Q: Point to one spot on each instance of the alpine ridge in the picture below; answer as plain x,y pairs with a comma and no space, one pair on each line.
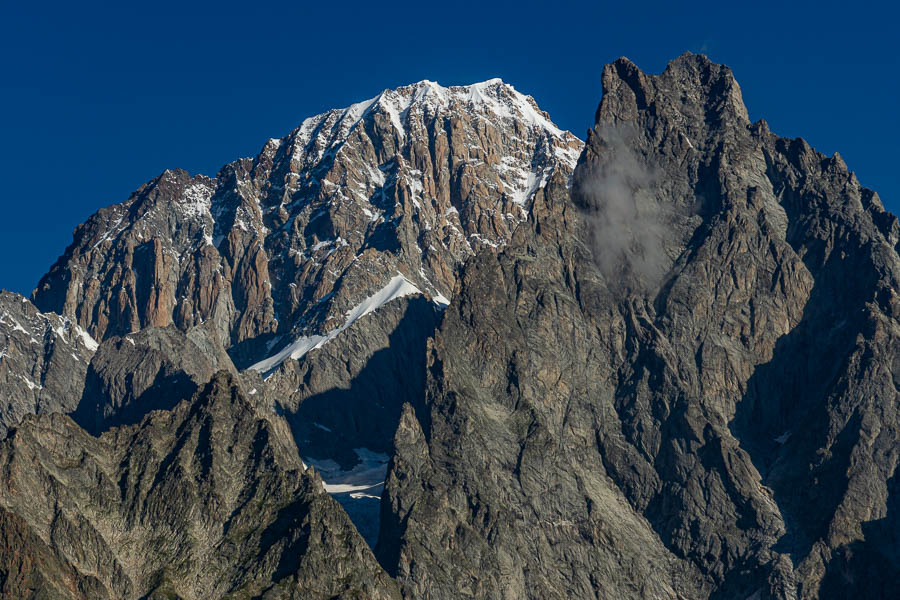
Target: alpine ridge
432,346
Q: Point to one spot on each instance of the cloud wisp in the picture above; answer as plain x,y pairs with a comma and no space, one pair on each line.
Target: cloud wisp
616,196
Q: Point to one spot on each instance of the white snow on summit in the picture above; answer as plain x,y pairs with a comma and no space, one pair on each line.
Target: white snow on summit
492,100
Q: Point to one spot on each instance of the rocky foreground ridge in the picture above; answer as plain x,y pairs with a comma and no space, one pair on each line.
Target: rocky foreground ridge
413,350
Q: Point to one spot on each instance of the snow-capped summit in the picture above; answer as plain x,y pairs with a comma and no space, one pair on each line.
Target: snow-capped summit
336,242
412,181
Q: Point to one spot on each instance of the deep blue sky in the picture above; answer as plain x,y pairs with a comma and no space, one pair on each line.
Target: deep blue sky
95,100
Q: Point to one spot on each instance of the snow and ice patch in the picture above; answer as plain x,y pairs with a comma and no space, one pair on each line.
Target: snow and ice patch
31,385
322,244
783,438
195,201
398,287
532,184
357,490
59,331
493,100
366,477
86,339
569,154
7,319
113,231
356,113
441,300
438,298
484,240
388,104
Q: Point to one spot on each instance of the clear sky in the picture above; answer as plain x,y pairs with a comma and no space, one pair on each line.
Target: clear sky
95,100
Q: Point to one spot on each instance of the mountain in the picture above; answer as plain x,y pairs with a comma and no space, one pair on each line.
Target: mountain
411,183
206,500
431,346
354,214
676,381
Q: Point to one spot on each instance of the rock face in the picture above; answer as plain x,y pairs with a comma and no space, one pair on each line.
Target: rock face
322,242
208,500
497,488
678,384
43,361
668,372
152,369
413,182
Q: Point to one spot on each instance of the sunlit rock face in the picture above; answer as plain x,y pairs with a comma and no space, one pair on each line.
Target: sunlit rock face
411,182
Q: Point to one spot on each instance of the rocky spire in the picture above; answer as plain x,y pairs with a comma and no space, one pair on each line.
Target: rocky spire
674,362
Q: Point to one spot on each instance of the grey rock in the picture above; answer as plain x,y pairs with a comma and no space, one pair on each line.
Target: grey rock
285,246
153,369
346,398
413,181
669,373
43,361
497,488
696,351
208,500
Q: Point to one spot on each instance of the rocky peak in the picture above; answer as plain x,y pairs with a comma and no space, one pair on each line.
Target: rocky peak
670,373
411,182
207,500
152,369
687,348
690,86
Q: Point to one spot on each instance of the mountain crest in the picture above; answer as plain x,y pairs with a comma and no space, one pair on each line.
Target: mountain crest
667,371
412,181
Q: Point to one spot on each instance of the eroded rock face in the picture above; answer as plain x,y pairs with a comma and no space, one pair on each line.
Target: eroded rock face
153,369
43,360
497,488
701,405
323,263
413,182
667,374
208,500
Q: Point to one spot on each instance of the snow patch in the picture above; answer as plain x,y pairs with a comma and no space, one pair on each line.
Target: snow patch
31,385
110,233
86,339
441,300
398,287
7,319
783,438
195,201
365,479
